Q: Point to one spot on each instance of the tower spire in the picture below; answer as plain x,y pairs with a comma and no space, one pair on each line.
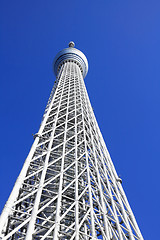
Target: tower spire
71,44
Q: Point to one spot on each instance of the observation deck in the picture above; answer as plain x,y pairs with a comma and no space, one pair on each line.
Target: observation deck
73,55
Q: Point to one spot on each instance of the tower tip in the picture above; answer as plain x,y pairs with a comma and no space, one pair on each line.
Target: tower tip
71,44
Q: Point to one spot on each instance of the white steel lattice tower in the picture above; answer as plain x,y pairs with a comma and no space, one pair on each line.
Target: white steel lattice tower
68,187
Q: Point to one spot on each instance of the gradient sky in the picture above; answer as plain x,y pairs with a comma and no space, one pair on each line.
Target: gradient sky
121,40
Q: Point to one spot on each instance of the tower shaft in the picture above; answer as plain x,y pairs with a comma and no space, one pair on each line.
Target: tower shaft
68,187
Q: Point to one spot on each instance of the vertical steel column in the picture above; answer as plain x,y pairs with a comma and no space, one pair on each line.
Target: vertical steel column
76,166
59,200
89,184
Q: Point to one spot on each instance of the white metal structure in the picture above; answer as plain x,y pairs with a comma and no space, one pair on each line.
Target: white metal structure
68,187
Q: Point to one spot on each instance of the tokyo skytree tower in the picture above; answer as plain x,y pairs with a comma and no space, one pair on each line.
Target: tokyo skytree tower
68,187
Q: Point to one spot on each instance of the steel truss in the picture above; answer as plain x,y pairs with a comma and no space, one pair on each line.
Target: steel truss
68,187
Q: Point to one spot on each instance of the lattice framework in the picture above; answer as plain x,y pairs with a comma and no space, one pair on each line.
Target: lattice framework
68,187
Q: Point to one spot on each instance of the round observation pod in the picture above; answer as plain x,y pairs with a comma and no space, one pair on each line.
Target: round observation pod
70,54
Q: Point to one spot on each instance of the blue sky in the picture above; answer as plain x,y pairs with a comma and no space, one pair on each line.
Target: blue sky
121,40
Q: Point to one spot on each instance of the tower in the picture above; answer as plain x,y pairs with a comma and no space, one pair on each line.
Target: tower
68,187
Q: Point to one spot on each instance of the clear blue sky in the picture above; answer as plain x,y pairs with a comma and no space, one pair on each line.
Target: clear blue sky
121,40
